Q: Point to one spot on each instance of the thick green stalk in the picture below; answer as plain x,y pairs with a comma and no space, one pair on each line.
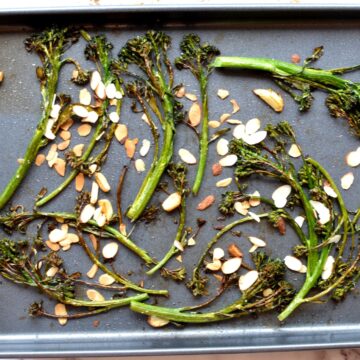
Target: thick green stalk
204,136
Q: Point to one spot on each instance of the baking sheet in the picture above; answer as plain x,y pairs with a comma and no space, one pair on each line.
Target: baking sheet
121,332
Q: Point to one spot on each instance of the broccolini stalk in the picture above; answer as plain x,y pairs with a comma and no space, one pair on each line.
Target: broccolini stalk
252,300
97,50
50,45
196,57
149,54
343,98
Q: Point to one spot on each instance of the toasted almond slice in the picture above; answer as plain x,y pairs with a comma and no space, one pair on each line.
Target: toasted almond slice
252,126
172,202
100,91
102,182
110,91
191,97
99,217
224,182
216,169
52,152
110,250
235,251
178,245
65,134
40,158
118,95
145,147
48,131
224,117
206,202
253,249
106,208
353,158
256,241
64,145
248,280
347,180
256,138
232,265
294,151
52,162
52,271
254,216
228,160
195,114
179,258
145,119
57,235
323,213
235,105
52,246
84,129
234,121
329,190
73,238
87,213
79,182
80,111
334,239
328,268
94,193
60,310
84,97
180,92
92,117
92,272
122,229
214,124
280,195
191,242
114,117
214,266
299,220
139,165
78,149
293,263
223,94
106,279
55,110
241,207
67,124
187,157
66,247
60,166
94,295
239,131
267,292
64,227
157,322
130,147
95,80
255,199
94,241
92,168
273,99
218,253
121,133
222,147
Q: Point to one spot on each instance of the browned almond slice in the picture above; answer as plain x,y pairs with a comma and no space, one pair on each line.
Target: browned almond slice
60,166
191,97
223,94
214,124
94,241
84,129
121,133
79,182
216,169
92,272
40,158
110,250
60,310
106,208
65,135
255,199
52,271
224,182
102,182
73,238
84,97
224,117
195,114
180,92
52,246
106,279
235,251
206,202
273,99
156,321
130,147
235,106
230,266
214,266
64,145
172,202
78,149
67,124
94,295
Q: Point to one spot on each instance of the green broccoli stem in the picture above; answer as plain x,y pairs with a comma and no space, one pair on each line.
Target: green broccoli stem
204,136
153,177
36,142
179,236
282,69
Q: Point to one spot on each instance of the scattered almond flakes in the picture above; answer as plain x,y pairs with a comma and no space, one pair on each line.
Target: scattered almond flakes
130,147
216,169
223,94
235,251
102,182
60,309
235,105
94,241
179,258
52,246
64,145
272,98
347,180
206,202
224,182
180,92
67,124
94,295
40,158
191,97
294,151
224,117
92,272
79,182
121,133
60,166
195,114
84,129
65,135
214,124
78,149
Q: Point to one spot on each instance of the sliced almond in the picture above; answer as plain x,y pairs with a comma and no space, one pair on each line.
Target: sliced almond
94,193
100,91
65,134
293,263
80,111
110,250
99,217
239,131
228,160
191,97
322,212
84,130
110,91
172,202
353,158
334,239
195,114
145,147
95,80
234,121
57,235
252,126
347,180
256,138
130,147
255,199
248,280
94,295
294,151
64,145
180,92
273,99
73,238
102,182
235,251
52,246
224,182
92,272
222,147
280,195
329,190
106,208
214,266
218,253
40,158
223,94
92,168
214,124
187,157
267,292
52,271
48,130
191,242
84,97
60,310
55,110
299,220
67,124
253,249
52,152
92,117
254,216
235,105
224,117
241,207
256,241
87,213
216,169
79,182
178,245
60,166
145,118
118,95
157,322
121,133
94,241
179,258
106,279
328,268
139,165
206,202
78,149
232,265
114,117
122,228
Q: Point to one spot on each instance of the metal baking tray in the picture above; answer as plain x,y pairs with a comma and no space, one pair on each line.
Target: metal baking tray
270,31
